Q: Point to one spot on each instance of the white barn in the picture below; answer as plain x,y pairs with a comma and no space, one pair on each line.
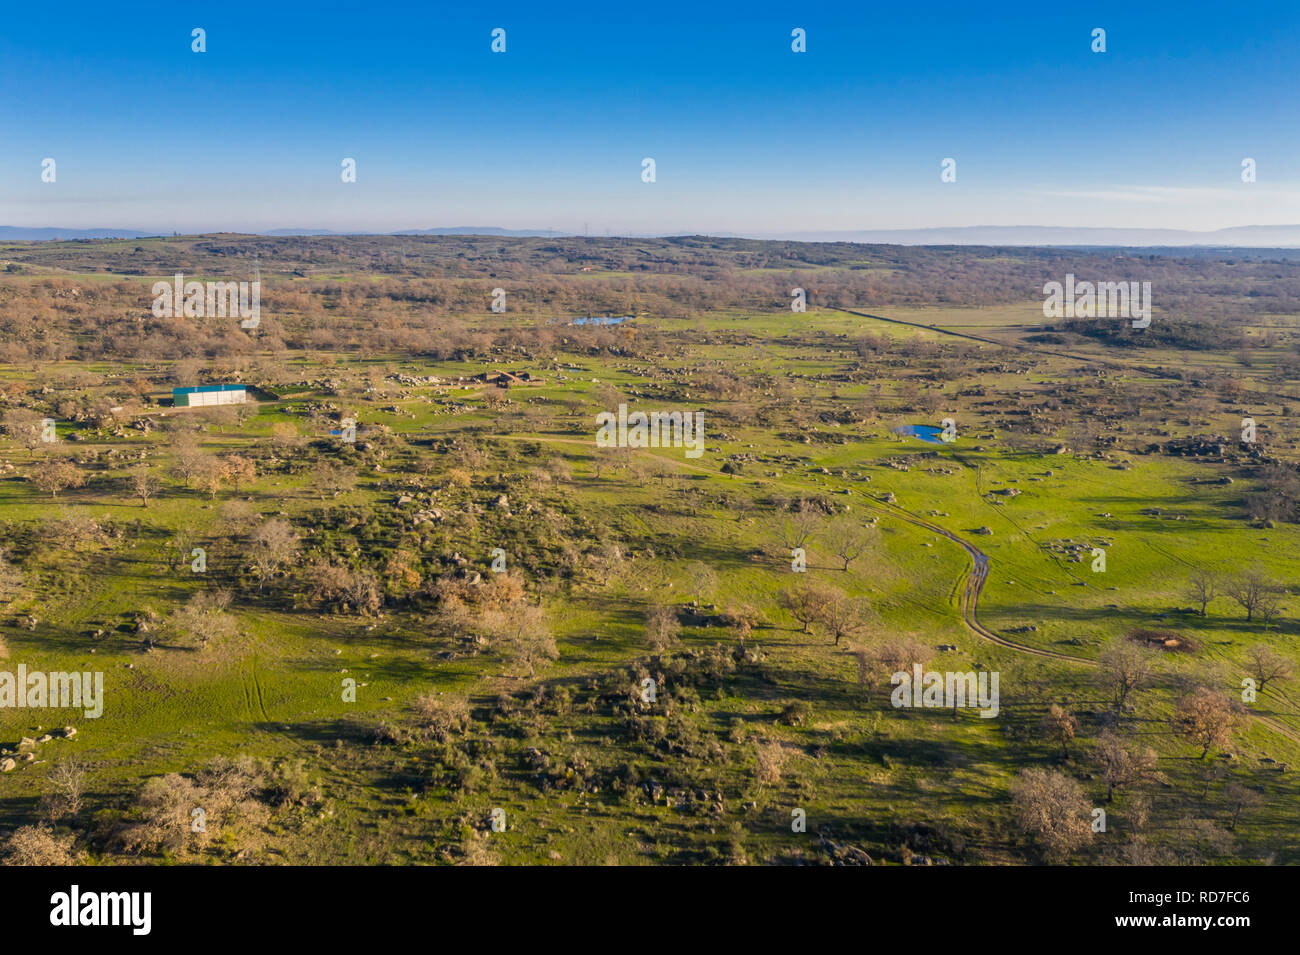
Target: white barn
209,395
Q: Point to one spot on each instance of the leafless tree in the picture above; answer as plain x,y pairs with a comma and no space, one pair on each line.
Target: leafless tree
38,845
803,601
1123,763
1051,808
143,484
1255,593
333,479
847,539
521,632
702,580
55,474
1267,665
798,525
1240,798
1206,717
203,618
1059,725
842,615
188,459
1202,588
211,474
68,780
271,545
239,469
25,426
662,628
769,762
1123,669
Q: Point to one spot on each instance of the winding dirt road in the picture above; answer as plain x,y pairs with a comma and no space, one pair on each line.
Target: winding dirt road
971,586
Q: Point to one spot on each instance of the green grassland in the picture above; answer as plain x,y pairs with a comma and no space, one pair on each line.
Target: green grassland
586,770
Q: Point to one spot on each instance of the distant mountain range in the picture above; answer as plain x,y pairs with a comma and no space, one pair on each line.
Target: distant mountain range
1250,236
23,234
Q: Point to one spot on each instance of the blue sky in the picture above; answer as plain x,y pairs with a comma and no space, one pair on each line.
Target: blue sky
747,136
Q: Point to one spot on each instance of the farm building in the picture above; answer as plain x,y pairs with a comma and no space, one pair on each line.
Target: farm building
209,395
505,379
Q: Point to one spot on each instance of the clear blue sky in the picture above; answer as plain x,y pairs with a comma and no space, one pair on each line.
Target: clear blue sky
747,135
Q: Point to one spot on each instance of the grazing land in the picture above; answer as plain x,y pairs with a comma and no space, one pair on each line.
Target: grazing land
392,610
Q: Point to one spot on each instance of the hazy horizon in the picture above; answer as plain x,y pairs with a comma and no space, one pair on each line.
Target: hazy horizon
1280,237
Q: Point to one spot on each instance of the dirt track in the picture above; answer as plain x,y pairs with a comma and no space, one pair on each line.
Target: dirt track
971,586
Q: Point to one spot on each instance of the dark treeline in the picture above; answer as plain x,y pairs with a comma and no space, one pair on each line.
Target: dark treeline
419,289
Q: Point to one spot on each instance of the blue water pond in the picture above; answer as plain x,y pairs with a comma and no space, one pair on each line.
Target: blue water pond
923,432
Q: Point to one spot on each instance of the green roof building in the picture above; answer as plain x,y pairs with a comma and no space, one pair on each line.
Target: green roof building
202,395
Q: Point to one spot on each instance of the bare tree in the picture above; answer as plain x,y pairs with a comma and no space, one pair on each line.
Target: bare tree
1240,798
441,718
848,540
188,458
662,627
1050,807
798,525
605,560
1254,592
702,580
1269,608
68,779
1123,764
1123,669
55,475
25,426
333,479
842,615
803,601
889,658
143,484
285,437
361,591
239,468
1266,665
1202,588
522,631
271,545
203,618
211,474
1059,725
38,845
769,761
1207,718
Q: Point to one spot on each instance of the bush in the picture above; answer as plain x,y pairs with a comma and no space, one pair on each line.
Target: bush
38,845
